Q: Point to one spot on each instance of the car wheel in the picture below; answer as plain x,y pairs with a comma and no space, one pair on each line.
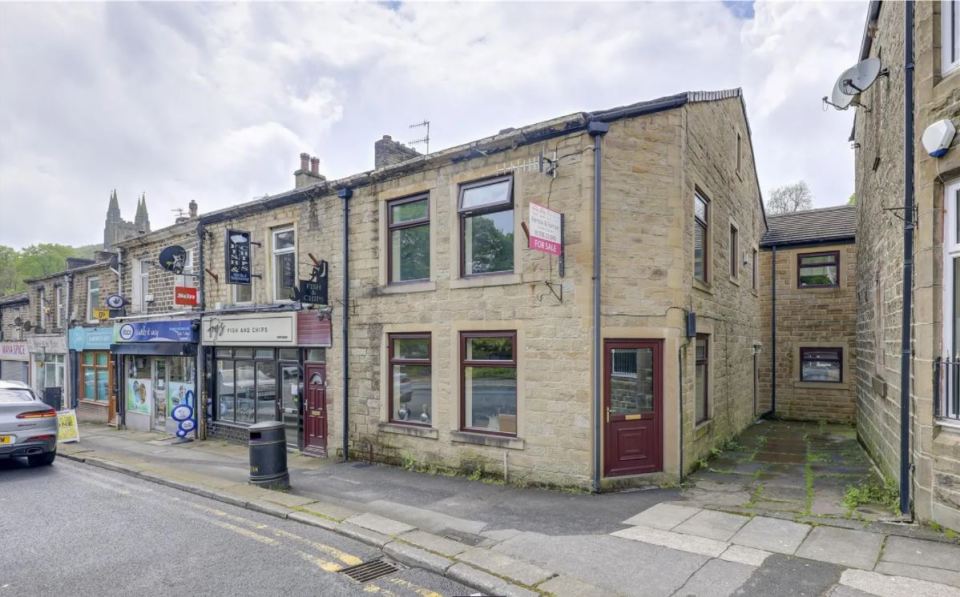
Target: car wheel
42,459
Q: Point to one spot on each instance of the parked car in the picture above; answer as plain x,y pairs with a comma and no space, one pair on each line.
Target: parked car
28,427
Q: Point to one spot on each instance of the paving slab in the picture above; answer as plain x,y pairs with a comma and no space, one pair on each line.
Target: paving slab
947,577
331,511
567,586
679,541
895,586
268,508
472,577
363,535
434,543
845,591
852,549
922,553
505,566
787,576
745,555
288,499
717,578
379,524
312,520
712,525
416,557
772,534
662,516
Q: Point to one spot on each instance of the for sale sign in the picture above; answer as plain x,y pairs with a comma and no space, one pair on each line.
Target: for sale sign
545,230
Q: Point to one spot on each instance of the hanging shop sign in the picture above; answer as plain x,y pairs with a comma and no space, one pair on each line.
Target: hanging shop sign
14,351
314,290
115,301
238,256
155,331
185,295
173,259
255,329
546,230
90,338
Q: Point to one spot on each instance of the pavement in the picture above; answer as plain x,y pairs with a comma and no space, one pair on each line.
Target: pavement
504,540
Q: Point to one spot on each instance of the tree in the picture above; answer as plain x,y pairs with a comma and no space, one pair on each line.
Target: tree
790,198
853,199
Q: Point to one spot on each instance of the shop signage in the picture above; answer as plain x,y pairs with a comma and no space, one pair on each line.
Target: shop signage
14,351
90,338
256,329
155,331
101,314
67,428
185,295
115,301
54,344
238,257
545,230
314,329
314,290
173,259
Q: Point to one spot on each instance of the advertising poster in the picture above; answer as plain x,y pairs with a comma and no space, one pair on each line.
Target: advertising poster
138,396
179,392
67,428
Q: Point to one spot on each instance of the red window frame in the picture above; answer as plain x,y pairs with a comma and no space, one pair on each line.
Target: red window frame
393,360
392,226
464,363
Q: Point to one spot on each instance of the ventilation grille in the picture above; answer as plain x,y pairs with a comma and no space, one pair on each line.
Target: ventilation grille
371,570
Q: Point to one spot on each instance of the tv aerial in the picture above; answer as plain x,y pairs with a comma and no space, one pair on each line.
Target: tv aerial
854,81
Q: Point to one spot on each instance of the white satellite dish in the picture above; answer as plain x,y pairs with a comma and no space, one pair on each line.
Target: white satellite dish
854,81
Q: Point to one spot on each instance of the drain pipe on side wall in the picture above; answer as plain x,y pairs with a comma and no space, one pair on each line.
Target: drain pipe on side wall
773,334
908,224
346,194
597,130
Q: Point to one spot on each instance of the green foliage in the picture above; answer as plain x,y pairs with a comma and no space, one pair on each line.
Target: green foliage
872,492
35,261
852,200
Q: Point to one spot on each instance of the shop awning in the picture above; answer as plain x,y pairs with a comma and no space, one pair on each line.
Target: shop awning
185,349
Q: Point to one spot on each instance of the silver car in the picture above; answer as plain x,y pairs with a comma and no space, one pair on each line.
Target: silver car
28,427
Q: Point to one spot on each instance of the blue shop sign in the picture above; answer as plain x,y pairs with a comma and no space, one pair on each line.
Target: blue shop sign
90,338
156,331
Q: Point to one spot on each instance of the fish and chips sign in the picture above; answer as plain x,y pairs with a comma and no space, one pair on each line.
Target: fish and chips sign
546,230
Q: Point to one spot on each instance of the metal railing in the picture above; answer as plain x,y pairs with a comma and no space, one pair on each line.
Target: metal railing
946,388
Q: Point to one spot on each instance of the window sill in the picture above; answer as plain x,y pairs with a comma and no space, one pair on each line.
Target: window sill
411,430
702,428
483,439
487,280
949,425
403,288
702,286
103,403
735,281
820,385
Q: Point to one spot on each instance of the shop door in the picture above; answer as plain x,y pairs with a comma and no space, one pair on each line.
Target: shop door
290,403
632,397
160,394
315,409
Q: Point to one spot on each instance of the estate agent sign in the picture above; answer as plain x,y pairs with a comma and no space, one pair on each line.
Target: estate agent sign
545,230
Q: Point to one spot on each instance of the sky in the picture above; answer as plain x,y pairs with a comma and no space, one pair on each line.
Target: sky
215,102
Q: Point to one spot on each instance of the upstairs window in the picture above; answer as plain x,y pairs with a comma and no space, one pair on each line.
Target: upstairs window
818,270
141,285
754,273
42,295
734,252
408,248
486,227
949,35
58,306
739,152
701,220
93,298
284,243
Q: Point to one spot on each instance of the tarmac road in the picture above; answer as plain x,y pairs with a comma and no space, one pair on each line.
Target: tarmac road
72,529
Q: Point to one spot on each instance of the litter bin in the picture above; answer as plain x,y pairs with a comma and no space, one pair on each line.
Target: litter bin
268,455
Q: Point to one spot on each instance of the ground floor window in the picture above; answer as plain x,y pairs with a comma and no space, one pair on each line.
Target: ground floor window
410,379
702,389
246,385
95,376
488,365
821,365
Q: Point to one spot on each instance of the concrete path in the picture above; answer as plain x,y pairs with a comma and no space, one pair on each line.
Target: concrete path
510,541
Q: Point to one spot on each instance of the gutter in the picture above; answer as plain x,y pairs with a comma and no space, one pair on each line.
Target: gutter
345,195
597,130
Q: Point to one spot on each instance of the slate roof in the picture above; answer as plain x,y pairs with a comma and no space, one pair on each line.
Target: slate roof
828,224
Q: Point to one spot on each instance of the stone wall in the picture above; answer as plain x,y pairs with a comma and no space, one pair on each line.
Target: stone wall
809,317
109,284
8,315
161,282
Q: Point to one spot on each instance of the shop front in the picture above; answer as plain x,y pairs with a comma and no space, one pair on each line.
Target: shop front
158,372
93,378
14,362
256,370
48,362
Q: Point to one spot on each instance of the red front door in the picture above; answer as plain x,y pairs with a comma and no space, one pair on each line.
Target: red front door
315,409
632,405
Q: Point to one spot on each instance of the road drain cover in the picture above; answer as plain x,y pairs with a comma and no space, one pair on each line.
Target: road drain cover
371,570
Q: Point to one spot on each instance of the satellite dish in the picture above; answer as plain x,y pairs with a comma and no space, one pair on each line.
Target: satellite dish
173,259
18,321
854,81
27,326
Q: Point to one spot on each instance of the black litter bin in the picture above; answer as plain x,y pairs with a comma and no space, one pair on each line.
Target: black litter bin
268,455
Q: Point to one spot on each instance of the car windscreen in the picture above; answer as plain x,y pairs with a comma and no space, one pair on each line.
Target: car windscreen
9,395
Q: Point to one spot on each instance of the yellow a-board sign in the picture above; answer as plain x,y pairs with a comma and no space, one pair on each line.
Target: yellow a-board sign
67,428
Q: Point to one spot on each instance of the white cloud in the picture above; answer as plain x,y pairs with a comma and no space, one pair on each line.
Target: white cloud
214,102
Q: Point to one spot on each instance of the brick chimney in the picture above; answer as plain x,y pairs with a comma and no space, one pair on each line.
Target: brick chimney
309,172
192,206
387,152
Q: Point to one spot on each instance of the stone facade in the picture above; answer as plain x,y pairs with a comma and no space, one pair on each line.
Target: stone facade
13,308
879,136
808,318
652,166
140,257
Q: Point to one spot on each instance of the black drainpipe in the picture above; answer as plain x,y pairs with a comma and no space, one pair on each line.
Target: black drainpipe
908,225
346,194
200,269
597,130
773,334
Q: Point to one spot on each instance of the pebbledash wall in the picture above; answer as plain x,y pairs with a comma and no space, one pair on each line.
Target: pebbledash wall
809,317
934,451
653,165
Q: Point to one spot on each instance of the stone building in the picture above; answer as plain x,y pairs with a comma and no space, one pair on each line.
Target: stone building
809,315
470,351
117,229
14,357
931,458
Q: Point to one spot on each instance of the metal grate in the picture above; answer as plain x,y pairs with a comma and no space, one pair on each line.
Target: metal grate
371,570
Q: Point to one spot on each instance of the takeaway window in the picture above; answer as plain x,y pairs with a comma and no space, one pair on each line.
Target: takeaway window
284,245
701,238
486,227
488,374
410,379
949,35
821,365
246,385
818,270
408,246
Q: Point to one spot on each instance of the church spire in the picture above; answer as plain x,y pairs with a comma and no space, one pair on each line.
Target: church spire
113,211
142,219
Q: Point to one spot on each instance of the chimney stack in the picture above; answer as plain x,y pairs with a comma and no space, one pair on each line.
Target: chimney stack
309,172
387,152
192,206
